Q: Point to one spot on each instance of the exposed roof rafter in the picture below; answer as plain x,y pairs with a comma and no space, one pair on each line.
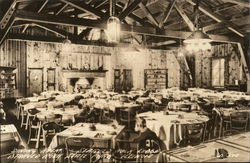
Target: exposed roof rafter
167,13
239,2
129,9
218,18
185,17
85,7
148,14
51,19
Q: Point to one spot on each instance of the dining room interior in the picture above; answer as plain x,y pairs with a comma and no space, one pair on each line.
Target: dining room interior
89,81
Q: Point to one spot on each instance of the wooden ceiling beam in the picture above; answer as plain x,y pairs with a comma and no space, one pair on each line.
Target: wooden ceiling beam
43,5
39,10
168,42
239,2
5,31
85,7
19,24
148,14
184,17
218,18
167,13
244,62
61,9
8,14
214,26
51,19
239,21
133,16
101,3
84,33
129,9
55,30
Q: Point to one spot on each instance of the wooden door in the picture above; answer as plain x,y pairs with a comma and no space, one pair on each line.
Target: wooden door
117,81
127,80
51,80
35,81
123,80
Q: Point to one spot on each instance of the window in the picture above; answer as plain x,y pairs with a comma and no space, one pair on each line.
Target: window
218,69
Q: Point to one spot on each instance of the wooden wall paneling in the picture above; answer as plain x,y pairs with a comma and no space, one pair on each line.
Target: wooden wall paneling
23,68
227,56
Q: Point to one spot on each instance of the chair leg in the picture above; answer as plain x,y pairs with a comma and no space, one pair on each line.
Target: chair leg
29,137
22,118
18,111
27,122
38,135
44,139
221,128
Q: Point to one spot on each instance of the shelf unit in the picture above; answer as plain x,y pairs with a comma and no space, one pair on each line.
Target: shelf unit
155,78
7,82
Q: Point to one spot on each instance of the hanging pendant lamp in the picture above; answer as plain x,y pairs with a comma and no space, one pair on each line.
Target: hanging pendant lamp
113,24
198,40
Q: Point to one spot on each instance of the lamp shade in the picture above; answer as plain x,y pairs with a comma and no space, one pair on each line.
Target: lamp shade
198,36
198,40
113,29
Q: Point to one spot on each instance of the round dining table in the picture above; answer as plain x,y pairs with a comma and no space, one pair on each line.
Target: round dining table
170,127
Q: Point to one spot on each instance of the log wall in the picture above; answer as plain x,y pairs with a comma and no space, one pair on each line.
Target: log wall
32,54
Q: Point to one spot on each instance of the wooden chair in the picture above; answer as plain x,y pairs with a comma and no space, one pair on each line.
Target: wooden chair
34,126
148,106
220,103
239,121
76,144
106,116
23,115
49,130
18,110
136,150
128,117
195,133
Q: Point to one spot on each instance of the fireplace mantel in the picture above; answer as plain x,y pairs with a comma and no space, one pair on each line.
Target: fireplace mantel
84,74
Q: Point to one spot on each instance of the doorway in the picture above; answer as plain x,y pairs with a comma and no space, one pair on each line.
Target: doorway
51,79
123,80
35,81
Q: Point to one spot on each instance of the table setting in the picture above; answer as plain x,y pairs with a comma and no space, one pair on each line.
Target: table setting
170,126
94,131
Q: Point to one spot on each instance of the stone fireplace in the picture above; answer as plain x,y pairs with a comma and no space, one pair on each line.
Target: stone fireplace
77,80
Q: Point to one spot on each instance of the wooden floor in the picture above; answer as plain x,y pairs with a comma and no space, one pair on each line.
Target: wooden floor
10,109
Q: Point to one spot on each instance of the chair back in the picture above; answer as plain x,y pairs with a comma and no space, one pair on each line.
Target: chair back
77,143
33,120
239,120
51,127
220,103
195,132
127,114
49,131
185,107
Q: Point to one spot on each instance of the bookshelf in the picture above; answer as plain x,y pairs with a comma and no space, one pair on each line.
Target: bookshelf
7,82
155,78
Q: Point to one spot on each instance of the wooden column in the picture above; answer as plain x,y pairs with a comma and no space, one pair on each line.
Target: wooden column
245,67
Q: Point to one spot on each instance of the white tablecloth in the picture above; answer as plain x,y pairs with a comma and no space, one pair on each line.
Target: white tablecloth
107,131
167,126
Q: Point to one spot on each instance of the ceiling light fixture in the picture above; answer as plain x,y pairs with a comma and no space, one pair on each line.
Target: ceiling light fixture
66,44
198,40
113,24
